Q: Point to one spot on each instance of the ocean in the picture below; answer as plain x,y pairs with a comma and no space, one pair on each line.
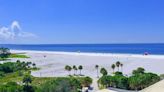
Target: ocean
155,49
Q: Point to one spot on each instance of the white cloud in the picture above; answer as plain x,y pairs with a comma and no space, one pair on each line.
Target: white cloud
13,32
14,25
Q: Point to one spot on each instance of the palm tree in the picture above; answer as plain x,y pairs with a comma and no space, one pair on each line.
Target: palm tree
121,67
103,71
27,80
97,68
28,64
23,64
68,68
118,64
75,69
18,61
34,65
113,67
80,68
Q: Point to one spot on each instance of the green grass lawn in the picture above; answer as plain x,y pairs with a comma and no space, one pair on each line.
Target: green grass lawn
18,56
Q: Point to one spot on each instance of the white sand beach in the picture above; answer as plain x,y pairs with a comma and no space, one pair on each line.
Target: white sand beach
54,62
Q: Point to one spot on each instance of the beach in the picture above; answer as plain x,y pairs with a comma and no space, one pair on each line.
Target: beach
52,63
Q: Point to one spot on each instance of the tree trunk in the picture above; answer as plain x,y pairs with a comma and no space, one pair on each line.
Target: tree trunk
121,69
97,74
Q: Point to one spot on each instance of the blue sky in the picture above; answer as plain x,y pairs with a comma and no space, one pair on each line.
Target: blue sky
82,21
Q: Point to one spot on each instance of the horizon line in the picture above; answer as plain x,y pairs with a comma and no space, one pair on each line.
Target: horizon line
71,43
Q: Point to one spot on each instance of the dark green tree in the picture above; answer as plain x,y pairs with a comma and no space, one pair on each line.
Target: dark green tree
80,68
105,81
4,53
113,67
121,65
139,70
75,69
118,64
68,68
103,71
27,80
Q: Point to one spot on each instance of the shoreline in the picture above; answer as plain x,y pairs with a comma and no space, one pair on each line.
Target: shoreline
87,53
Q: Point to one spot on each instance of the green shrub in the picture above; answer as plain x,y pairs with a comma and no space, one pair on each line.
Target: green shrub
121,81
105,81
139,80
60,85
86,81
2,74
10,67
118,73
103,71
11,87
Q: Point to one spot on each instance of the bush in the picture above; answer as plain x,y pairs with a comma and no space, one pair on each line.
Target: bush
105,81
11,87
4,53
28,88
86,81
139,70
139,80
103,71
2,74
114,81
118,73
7,67
120,82
10,67
60,85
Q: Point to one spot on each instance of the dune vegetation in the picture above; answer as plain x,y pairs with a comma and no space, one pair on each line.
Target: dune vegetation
5,54
15,77
137,81
18,56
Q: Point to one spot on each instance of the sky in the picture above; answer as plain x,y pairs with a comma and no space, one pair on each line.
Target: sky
81,21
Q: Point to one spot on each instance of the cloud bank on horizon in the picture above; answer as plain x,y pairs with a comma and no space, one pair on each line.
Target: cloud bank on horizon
13,32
